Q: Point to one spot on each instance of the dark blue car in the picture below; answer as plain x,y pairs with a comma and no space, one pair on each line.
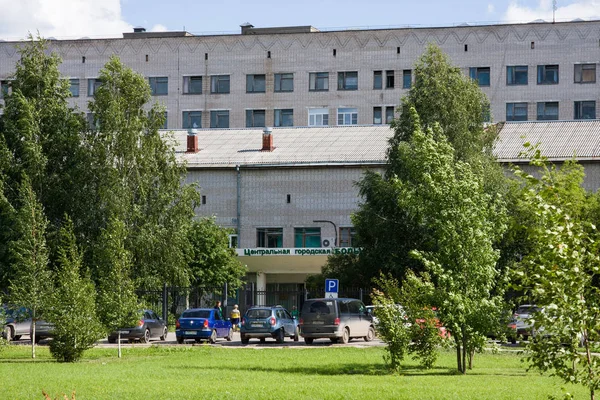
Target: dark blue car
202,324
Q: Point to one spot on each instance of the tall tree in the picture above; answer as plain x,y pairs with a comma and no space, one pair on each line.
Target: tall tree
32,281
139,177
117,302
73,302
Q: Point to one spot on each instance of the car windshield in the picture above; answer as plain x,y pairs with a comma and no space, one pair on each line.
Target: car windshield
196,314
527,309
319,307
258,313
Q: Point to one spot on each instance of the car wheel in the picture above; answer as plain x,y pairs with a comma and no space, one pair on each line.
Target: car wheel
180,340
8,333
146,337
164,335
370,334
296,335
213,336
280,338
333,340
198,340
308,340
229,335
262,339
37,339
17,337
112,340
244,338
346,336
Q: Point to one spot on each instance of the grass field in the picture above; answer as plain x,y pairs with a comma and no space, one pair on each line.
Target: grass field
204,372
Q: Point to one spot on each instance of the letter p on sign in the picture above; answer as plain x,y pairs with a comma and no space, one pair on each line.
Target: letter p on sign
331,285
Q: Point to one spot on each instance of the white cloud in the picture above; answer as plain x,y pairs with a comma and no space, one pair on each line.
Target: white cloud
62,18
158,28
490,8
584,9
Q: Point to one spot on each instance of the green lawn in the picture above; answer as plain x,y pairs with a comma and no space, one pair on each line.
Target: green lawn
204,372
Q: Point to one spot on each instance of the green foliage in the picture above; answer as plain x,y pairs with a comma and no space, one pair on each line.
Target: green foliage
344,267
73,302
211,262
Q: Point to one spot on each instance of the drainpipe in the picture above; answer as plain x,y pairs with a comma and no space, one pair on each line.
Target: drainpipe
239,203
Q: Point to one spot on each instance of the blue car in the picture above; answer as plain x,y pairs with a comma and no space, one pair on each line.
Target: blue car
202,324
268,322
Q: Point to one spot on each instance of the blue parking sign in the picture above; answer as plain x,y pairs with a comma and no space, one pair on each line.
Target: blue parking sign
332,285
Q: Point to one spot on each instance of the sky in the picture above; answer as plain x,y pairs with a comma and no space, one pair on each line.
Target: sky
110,18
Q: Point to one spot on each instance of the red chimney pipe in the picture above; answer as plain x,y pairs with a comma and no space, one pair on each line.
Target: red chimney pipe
192,142
267,140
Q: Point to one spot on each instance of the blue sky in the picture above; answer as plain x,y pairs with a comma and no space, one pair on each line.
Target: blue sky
109,18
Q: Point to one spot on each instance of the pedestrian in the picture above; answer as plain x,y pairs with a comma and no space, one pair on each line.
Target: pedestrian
295,312
235,317
218,311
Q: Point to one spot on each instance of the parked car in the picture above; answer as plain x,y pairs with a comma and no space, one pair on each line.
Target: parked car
521,324
335,319
17,323
148,327
268,322
202,324
43,330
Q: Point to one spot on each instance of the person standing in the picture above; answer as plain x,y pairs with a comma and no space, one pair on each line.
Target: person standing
218,311
235,317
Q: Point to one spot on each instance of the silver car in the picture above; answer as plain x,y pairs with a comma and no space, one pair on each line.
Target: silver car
17,324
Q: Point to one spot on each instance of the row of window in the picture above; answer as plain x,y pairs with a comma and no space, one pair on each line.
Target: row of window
303,237
548,110
546,74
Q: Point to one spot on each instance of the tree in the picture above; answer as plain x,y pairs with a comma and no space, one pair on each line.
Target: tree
561,275
73,302
212,262
117,303
32,281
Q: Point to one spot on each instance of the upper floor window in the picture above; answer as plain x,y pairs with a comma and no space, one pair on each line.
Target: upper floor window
377,80
284,117
318,81
348,80
377,116
481,75
547,74
585,73
192,119
389,79
516,75
284,82
389,114
307,237
74,87
219,84
547,111
255,118
516,111
159,86
347,116
269,237
406,79
255,83
93,85
318,117
585,110
347,235
192,85
5,88
219,119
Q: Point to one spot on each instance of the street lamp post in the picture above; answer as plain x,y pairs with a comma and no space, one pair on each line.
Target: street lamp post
334,228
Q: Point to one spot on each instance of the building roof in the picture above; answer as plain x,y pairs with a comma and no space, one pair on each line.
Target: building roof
332,145
558,140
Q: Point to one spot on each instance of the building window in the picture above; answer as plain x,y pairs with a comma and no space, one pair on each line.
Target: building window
377,80
377,120
192,119
307,237
585,73
516,75
284,82
74,87
159,86
93,85
91,121
389,115
192,85
547,111
233,241
481,75
284,117
269,237
547,74
406,79
219,84
585,110
389,79
318,117
166,120
348,80
219,119
347,116
4,88
255,118
347,235
255,83
318,81
516,111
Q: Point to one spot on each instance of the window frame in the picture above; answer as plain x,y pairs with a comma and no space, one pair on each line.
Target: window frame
215,116
312,112
346,80
281,114
513,106
278,80
581,69
390,79
377,80
542,71
253,114
511,75
216,81
546,116
353,115
256,83
157,82
406,73
93,84
71,85
476,72
314,78
375,110
304,235
350,231
187,84
389,120
578,107
186,115
264,236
